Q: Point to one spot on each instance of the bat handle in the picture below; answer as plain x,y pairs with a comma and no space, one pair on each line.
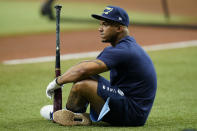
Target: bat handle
57,95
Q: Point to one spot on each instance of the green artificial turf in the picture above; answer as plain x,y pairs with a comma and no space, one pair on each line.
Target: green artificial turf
22,94
23,17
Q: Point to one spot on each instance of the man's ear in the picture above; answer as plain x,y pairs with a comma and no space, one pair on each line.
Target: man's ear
120,28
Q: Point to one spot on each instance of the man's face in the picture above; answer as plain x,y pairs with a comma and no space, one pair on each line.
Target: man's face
108,32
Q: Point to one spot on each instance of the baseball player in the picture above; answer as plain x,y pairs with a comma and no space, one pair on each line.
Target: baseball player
125,100
46,9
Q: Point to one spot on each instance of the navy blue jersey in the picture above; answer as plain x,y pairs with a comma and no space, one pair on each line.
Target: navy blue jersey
132,71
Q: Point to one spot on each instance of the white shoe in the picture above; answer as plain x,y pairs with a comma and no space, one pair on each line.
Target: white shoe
47,112
69,118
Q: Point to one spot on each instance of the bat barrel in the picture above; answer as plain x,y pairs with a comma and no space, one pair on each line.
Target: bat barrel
58,9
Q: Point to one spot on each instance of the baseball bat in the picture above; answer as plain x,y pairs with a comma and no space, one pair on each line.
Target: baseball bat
57,103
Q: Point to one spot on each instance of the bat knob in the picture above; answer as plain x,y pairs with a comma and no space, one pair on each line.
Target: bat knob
58,7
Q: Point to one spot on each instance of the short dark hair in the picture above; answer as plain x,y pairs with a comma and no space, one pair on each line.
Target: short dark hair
111,22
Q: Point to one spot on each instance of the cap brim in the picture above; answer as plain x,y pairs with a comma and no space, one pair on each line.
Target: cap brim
99,17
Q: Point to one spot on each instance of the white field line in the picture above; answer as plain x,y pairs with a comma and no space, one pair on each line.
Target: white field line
166,46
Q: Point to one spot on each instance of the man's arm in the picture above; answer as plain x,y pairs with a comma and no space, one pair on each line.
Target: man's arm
82,70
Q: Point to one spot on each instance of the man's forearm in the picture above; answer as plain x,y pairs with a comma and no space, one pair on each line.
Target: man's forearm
81,71
74,74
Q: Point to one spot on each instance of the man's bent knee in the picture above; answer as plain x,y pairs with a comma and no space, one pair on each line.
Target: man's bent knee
85,86
78,86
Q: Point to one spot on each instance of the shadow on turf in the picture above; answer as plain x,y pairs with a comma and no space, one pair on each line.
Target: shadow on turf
92,21
79,20
45,124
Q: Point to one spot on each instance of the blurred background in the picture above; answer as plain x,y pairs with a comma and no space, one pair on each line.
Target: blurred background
28,27
20,16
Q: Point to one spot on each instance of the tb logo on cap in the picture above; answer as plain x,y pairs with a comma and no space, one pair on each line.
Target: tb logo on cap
107,10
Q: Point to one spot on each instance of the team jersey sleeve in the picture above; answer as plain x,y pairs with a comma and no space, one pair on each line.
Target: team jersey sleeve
113,56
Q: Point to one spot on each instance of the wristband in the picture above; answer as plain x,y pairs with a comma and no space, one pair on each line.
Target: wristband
57,82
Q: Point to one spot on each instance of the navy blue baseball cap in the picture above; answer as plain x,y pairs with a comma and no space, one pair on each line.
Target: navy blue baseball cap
114,13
